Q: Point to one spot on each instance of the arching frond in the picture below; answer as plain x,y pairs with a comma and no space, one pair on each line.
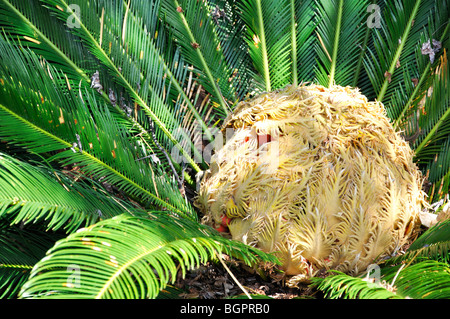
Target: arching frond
423,280
396,58
304,57
433,128
30,24
433,244
428,279
343,286
268,38
20,249
132,257
107,105
94,142
145,89
341,30
194,31
27,23
436,234
35,194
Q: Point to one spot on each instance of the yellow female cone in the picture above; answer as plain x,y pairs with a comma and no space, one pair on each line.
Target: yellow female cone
318,176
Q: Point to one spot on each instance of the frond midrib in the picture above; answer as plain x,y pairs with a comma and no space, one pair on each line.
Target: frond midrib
174,82
141,102
205,66
81,72
133,260
399,50
65,144
336,43
47,40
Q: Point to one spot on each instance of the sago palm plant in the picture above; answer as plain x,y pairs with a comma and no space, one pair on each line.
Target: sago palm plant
116,165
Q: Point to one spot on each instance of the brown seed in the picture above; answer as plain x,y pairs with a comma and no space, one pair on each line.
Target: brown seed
195,45
179,9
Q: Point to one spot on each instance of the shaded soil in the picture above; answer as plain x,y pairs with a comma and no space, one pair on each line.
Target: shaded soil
213,281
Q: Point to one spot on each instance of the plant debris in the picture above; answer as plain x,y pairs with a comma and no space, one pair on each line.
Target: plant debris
212,281
431,51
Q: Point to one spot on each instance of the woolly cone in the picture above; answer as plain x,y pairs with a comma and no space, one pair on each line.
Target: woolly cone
316,175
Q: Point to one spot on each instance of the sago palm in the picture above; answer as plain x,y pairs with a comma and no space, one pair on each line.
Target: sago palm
113,131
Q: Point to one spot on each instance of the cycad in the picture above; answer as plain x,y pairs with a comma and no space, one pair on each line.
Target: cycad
422,272
121,100
318,176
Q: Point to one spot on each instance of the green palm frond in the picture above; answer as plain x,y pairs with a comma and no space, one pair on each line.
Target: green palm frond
340,285
279,38
269,43
435,251
195,33
125,69
101,147
395,60
72,155
424,280
149,43
20,249
422,272
41,195
304,58
436,234
417,75
401,76
432,244
341,31
128,257
432,146
231,31
27,23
